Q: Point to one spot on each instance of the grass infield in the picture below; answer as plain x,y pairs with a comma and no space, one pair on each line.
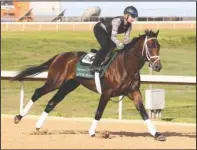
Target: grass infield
21,49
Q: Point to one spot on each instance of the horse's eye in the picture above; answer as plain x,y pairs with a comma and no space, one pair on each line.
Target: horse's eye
150,46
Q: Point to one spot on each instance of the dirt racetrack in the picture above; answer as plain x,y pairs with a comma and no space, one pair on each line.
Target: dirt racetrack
68,133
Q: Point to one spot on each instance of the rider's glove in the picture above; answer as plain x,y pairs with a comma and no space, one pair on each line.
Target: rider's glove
120,46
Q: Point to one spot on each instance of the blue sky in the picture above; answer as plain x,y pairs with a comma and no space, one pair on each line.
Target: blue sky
144,8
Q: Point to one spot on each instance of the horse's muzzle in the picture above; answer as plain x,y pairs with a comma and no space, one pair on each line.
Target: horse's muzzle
157,67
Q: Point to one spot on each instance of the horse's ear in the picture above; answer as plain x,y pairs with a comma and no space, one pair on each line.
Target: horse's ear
157,32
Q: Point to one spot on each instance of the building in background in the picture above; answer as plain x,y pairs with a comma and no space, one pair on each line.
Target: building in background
91,14
12,10
40,11
43,11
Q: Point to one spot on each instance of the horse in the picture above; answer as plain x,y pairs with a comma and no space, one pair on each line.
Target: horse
121,78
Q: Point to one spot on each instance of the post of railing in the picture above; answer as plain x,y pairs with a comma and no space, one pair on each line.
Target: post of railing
40,27
23,26
151,114
73,26
191,25
90,26
21,96
140,26
174,25
6,27
157,26
120,109
57,27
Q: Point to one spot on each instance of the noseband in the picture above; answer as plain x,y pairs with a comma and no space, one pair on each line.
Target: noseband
148,56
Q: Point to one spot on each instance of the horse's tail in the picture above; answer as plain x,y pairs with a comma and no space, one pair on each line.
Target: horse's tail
33,70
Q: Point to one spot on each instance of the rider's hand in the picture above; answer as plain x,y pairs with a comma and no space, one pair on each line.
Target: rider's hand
120,46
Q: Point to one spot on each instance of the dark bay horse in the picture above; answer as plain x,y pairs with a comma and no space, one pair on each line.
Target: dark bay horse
121,78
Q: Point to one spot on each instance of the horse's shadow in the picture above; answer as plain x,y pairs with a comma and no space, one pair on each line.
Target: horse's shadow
167,134
113,133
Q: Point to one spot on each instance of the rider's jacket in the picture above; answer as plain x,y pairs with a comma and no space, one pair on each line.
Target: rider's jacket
117,26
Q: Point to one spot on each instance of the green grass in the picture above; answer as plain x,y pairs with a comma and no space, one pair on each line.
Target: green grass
178,57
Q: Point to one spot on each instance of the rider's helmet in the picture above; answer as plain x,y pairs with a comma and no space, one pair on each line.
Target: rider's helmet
132,11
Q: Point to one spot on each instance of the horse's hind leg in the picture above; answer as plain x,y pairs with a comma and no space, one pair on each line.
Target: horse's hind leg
64,89
46,88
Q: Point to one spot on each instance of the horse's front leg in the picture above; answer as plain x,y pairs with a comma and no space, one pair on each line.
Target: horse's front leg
137,99
102,103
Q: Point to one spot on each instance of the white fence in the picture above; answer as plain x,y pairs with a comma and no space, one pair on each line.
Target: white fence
145,79
88,26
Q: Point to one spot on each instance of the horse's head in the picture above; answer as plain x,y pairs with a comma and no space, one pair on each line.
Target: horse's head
151,50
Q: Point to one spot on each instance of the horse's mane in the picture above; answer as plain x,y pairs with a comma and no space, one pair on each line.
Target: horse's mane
135,39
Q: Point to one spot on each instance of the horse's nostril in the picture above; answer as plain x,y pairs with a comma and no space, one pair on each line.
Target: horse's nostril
157,67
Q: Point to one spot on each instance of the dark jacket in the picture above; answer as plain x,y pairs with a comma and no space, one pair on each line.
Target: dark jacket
116,26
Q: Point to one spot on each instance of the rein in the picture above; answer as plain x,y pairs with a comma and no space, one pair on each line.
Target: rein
148,56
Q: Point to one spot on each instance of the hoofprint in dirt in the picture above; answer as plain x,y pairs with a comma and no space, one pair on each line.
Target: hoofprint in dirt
73,133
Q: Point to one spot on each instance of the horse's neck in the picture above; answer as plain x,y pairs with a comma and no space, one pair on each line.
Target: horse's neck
133,58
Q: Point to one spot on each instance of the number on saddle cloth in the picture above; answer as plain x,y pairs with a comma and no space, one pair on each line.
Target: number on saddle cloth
88,59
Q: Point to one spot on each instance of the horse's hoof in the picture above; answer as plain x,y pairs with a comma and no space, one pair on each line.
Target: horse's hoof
37,129
17,119
159,137
93,135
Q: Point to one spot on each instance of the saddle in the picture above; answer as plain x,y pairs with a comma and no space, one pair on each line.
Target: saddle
82,68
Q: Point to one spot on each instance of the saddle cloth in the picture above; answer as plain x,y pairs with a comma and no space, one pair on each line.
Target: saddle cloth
83,65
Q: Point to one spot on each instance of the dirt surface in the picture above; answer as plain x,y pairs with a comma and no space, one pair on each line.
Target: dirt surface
68,133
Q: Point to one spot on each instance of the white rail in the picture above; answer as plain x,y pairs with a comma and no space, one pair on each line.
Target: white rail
145,79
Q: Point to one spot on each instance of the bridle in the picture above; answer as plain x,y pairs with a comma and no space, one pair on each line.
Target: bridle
147,53
148,56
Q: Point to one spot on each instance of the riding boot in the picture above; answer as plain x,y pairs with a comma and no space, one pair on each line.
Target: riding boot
96,65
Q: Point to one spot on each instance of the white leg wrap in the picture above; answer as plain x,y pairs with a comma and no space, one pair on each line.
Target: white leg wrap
41,120
93,127
150,127
98,82
27,108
